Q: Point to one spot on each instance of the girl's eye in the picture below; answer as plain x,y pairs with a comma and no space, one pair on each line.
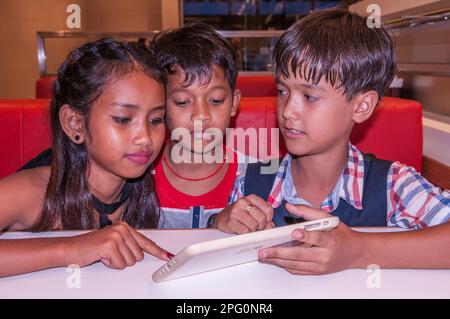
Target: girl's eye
121,120
156,121
311,98
216,101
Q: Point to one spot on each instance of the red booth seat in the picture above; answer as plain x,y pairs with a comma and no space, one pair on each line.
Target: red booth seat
44,87
393,133
256,85
24,132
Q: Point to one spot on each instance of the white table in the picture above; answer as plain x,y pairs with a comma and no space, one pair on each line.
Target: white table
252,280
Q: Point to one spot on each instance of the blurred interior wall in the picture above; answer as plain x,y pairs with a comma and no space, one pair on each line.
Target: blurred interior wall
169,17
426,46
21,19
420,47
120,15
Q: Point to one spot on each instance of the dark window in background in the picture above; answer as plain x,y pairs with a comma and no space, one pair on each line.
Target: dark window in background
254,54
253,14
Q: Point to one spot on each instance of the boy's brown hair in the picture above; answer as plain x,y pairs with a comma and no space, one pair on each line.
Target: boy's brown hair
339,45
196,48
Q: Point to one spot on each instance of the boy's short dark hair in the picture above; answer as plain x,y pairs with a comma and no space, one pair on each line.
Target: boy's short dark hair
196,48
339,45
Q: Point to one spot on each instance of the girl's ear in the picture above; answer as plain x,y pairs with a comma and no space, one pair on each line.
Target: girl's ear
72,123
236,100
365,104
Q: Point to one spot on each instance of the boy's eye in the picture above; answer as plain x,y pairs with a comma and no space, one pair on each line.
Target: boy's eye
121,120
311,98
156,121
181,103
281,91
216,101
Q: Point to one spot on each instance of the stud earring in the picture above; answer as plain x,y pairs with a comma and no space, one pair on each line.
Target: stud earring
77,137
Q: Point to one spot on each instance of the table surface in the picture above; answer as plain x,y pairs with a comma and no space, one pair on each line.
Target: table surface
251,280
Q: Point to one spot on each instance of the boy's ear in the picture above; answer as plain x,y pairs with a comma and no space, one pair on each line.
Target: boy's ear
72,123
365,104
236,100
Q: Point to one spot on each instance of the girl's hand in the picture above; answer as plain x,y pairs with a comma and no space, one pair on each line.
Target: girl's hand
322,252
117,246
249,214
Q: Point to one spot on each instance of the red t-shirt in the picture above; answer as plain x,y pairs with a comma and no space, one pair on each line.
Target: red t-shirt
180,210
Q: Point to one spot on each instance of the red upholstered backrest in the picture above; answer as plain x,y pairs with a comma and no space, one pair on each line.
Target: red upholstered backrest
394,132
24,132
44,87
256,85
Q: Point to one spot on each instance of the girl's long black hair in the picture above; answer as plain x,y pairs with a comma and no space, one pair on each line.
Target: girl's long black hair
80,81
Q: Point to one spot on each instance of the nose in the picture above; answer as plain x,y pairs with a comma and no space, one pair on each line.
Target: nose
142,135
291,108
201,112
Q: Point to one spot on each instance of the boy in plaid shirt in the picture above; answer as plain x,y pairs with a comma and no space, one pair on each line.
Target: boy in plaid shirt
332,70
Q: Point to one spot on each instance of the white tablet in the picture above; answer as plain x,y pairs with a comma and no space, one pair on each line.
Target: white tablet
235,250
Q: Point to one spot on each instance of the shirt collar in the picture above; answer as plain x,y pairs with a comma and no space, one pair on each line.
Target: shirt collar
349,186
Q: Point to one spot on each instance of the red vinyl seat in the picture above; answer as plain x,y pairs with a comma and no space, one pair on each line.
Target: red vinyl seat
394,132
44,87
256,85
24,132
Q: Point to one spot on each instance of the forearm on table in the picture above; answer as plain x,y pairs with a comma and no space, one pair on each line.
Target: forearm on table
424,248
19,256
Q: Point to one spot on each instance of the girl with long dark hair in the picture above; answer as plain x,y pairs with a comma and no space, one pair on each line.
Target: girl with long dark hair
107,123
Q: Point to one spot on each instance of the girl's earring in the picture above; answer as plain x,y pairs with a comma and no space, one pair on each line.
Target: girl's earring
77,137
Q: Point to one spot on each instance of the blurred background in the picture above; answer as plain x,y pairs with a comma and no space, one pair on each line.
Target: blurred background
421,28
36,35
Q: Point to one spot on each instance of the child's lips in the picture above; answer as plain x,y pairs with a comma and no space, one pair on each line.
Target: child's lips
293,133
202,135
139,157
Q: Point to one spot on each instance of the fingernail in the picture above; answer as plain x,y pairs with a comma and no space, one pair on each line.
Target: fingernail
170,256
263,254
298,234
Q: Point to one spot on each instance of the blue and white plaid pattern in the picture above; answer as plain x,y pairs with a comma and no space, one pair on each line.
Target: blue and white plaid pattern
413,202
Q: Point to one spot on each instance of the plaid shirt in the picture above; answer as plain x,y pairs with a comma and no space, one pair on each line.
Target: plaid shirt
412,201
